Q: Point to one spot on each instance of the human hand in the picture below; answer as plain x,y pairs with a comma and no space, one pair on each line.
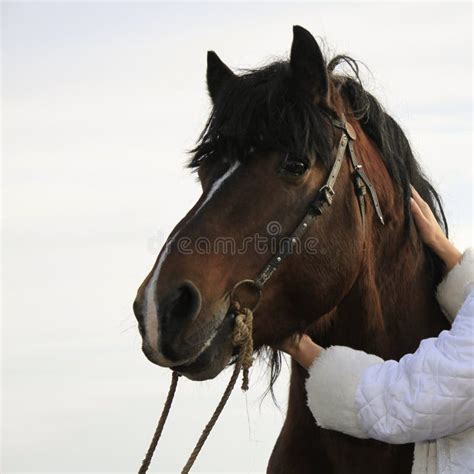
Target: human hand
301,348
431,232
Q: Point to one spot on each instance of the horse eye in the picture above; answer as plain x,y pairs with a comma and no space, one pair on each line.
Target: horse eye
294,166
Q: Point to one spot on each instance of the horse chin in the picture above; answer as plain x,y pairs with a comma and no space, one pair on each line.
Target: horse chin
213,360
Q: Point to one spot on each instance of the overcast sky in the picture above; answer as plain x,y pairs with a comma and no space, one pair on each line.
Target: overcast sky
100,104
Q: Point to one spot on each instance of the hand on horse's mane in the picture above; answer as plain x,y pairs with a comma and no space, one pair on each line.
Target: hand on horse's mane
431,232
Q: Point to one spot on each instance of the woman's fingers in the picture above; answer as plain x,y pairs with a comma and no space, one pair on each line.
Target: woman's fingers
426,223
290,344
420,218
431,232
422,204
414,192
415,208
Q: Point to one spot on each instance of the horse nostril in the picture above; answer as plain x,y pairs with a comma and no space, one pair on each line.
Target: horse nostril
180,307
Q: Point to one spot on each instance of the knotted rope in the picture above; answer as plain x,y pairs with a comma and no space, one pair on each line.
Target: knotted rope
241,338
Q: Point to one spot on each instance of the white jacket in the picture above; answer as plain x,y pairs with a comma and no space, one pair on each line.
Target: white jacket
427,397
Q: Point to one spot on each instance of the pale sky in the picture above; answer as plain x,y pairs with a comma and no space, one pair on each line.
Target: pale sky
100,102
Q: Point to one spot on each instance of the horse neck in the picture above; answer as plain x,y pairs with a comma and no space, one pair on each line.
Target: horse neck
392,305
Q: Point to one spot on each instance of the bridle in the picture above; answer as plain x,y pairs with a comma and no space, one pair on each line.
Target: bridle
243,315
322,200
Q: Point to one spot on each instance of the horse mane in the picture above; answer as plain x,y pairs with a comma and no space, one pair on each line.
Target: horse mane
389,138
395,151
260,110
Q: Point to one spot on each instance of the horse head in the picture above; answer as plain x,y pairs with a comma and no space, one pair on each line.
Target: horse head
268,146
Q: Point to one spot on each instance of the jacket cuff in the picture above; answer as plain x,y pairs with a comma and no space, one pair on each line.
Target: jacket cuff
331,388
454,288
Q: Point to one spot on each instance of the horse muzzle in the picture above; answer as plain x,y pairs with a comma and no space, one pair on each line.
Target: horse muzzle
177,333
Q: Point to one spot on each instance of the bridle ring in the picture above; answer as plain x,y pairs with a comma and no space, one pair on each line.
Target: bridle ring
250,283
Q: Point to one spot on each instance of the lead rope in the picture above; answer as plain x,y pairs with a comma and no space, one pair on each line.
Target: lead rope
241,338
161,424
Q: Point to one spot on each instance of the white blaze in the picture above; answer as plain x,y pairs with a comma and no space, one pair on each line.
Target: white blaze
151,311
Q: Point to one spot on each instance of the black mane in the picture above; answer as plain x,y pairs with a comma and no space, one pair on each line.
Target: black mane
395,151
260,110
389,138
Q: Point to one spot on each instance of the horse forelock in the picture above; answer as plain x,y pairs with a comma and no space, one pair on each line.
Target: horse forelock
262,110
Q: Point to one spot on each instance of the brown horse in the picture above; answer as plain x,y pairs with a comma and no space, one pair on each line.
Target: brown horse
267,148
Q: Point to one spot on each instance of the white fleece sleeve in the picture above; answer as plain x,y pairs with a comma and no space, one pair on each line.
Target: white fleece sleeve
456,285
426,395
331,388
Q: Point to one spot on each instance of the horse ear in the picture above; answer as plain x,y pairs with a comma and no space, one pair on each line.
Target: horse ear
217,74
307,65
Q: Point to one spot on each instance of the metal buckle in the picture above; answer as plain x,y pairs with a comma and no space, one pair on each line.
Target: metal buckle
233,295
328,193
